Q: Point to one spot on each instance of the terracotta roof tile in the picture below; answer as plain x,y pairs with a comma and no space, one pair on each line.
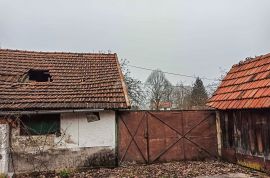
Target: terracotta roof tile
79,81
247,85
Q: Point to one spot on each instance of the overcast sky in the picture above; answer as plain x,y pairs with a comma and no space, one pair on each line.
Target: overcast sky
192,37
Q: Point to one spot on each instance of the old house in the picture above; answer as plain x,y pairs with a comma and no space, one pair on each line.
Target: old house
58,109
163,105
243,104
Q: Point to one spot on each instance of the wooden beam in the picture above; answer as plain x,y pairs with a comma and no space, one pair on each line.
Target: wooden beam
219,132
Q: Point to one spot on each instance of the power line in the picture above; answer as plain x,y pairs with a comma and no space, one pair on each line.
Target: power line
184,87
171,73
174,86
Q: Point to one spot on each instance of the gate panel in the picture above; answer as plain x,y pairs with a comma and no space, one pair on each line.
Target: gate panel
162,136
132,142
200,135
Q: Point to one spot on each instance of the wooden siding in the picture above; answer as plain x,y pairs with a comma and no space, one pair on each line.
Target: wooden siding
246,137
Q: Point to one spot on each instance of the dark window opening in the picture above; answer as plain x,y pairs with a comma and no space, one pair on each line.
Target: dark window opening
40,124
92,117
39,75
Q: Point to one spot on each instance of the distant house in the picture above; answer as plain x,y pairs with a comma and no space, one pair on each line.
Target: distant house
59,109
243,103
165,105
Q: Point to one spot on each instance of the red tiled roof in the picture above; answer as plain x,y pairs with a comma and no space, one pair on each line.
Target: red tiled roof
247,85
79,81
165,104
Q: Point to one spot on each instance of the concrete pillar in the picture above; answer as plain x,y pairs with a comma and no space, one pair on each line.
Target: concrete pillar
4,148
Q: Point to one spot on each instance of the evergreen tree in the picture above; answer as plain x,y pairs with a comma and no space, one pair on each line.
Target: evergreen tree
198,95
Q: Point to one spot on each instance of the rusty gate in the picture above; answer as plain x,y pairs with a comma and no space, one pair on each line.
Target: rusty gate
162,136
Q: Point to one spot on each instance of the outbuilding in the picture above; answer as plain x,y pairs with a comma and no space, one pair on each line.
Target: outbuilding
243,116
58,109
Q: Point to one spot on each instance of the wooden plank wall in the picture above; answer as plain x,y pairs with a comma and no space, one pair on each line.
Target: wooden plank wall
246,137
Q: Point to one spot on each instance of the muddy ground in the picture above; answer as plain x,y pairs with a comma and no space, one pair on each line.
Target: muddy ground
186,169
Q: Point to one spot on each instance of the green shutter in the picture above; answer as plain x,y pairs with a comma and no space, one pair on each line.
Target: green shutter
41,124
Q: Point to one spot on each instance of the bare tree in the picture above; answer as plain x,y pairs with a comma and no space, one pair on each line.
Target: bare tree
180,96
135,87
212,87
159,88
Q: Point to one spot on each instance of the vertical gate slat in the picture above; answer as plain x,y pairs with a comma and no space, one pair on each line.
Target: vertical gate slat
183,132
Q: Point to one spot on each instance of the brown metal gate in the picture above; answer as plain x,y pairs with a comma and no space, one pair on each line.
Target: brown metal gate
162,136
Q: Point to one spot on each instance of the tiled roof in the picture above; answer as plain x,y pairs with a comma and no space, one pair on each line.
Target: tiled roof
247,85
79,81
165,104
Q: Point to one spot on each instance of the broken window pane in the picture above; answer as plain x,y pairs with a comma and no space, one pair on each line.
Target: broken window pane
91,117
41,124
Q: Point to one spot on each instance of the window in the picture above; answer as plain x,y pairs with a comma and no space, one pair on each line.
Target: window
92,117
40,124
39,75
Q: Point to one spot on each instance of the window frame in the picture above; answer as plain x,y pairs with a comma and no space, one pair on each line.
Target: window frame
29,124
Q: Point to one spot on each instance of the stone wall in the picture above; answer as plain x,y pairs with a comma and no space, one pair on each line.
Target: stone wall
59,159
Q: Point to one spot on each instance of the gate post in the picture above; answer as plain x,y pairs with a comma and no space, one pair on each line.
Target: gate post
147,133
4,148
218,133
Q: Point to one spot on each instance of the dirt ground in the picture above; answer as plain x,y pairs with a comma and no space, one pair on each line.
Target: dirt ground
188,169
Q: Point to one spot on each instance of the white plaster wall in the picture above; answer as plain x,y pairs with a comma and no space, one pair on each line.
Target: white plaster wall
80,133
4,143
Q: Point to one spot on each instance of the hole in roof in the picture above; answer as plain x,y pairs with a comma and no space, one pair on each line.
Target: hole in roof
241,95
80,55
39,75
252,78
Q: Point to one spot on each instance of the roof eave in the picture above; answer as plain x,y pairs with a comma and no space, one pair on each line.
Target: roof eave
124,86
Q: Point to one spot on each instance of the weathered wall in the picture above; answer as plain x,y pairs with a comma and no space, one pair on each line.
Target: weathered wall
4,141
58,159
81,144
81,133
246,137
